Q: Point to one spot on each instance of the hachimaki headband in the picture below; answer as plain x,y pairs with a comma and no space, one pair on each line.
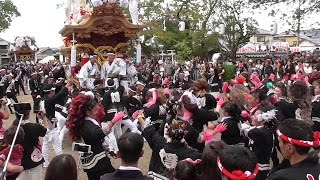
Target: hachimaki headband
302,143
238,174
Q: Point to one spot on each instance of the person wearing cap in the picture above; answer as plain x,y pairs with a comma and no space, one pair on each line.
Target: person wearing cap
296,138
18,81
10,89
88,73
110,70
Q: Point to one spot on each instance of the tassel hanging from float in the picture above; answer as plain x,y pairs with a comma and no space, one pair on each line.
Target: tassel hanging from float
73,56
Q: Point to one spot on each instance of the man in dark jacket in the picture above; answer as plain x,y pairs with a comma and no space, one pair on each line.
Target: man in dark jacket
51,99
35,88
296,138
130,150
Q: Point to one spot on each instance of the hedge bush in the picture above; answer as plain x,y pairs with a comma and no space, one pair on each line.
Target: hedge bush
230,72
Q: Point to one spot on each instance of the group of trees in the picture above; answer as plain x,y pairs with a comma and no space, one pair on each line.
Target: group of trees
8,11
202,18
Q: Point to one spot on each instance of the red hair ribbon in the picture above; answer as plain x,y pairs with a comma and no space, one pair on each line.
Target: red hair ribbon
302,143
238,174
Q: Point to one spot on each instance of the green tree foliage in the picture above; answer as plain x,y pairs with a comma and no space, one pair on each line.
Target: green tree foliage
201,17
195,40
238,30
8,11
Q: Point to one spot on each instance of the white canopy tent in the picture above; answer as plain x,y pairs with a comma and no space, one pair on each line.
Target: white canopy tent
46,60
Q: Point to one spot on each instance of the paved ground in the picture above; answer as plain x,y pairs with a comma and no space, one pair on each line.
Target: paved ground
144,161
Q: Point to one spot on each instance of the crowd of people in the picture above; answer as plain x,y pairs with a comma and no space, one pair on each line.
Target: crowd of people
262,124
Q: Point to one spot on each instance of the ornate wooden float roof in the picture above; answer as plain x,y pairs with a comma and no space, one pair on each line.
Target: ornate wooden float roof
106,26
24,50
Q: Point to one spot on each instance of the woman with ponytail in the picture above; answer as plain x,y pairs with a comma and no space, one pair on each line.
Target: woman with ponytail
232,118
84,125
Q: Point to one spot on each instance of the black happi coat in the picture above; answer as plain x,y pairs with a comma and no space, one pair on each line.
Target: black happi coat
202,117
306,169
261,143
9,88
2,87
111,107
132,104
50,102
232,134
35,87
125,174
158,142
286,109
93,135
316,115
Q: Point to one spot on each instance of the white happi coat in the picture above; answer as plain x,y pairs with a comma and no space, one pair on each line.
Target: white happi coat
86,74
110,71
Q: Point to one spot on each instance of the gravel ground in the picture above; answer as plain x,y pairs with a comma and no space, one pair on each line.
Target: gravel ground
144,161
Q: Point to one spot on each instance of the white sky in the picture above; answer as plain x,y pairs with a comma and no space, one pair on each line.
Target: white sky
42,20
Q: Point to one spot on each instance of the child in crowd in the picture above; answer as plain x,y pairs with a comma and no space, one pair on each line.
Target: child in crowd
261,139
14,166
187,170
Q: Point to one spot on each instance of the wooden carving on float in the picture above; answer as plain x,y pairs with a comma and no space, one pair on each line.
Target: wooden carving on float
106,29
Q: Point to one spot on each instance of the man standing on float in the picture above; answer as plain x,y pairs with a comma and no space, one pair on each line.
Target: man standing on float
110,70
88,73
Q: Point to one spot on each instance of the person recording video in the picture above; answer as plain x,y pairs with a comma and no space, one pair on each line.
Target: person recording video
32,159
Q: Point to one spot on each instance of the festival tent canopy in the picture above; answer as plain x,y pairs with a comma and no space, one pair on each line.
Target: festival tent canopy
47,59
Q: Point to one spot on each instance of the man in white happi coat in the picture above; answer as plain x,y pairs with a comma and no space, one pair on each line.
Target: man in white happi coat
131,72
123,75
88,73
110,70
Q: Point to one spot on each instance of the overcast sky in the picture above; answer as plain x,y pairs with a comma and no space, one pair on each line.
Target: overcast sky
42,19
